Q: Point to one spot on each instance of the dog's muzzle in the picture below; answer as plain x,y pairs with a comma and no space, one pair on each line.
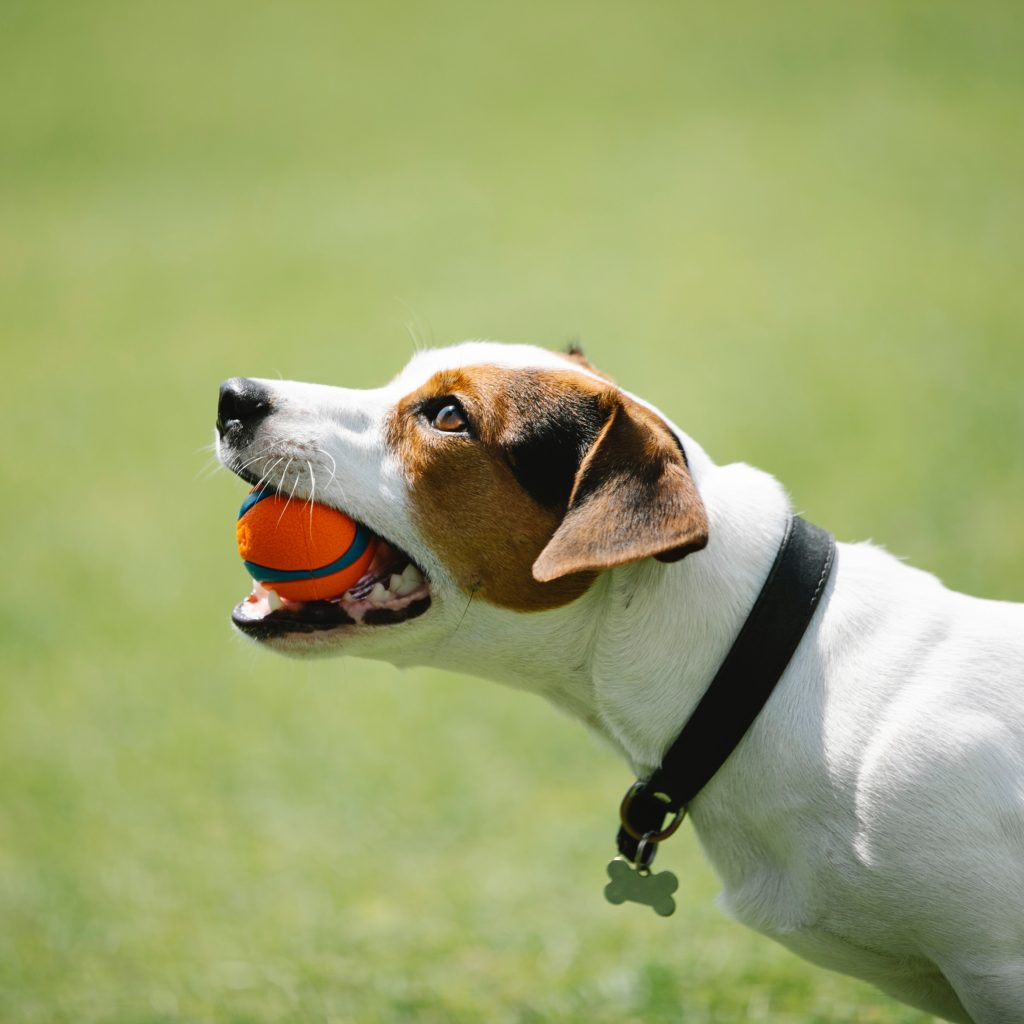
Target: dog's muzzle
394,589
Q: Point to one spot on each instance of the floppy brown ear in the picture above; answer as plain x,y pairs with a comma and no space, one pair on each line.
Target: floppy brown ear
633,497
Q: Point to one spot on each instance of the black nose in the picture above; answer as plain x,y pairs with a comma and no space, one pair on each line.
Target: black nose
242,403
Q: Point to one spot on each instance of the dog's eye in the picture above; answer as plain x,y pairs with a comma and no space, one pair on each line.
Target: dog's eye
450,418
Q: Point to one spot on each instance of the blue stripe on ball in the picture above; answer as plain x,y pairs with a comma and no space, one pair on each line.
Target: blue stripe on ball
254,498
265,574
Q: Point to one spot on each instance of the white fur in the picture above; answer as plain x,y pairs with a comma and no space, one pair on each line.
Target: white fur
873,818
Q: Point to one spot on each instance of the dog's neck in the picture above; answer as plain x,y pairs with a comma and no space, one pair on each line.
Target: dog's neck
666,629
632,657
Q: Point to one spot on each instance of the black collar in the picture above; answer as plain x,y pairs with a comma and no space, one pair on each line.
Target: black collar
739,691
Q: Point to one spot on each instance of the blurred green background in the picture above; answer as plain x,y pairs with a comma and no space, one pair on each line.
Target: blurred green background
797,227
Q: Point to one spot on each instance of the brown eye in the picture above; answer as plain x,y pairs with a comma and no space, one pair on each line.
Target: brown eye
449,418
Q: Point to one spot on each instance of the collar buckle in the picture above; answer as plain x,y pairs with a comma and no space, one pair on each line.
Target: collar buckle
643,812
641,833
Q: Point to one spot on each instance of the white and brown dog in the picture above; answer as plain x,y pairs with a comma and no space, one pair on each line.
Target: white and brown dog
536,519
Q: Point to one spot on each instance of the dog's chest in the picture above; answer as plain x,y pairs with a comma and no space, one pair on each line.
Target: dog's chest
792,874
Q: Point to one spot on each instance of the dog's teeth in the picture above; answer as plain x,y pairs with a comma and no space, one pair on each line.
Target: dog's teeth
412,575
274,600
395,583
379,594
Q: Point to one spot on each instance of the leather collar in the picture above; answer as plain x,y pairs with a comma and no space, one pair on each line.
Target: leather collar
741,687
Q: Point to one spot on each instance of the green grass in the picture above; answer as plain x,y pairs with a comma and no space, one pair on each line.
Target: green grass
797,227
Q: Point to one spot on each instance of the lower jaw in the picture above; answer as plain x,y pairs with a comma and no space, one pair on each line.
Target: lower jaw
391,590
320,617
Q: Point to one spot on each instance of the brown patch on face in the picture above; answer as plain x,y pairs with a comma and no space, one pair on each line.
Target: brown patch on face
558,476
466,499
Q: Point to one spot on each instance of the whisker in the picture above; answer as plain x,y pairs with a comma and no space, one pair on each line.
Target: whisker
448,637
294,485
259,455
465,610
208,469
212,464
334,465
312,493
420,334
266,476
255,458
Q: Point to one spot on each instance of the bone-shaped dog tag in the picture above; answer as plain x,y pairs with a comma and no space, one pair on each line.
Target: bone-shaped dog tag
637,885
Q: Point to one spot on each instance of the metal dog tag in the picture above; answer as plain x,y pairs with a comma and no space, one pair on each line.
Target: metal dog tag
638,885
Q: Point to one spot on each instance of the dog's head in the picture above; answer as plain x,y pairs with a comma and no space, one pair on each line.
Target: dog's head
503,474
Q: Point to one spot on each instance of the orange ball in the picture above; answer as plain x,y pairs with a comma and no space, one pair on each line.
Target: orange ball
303,552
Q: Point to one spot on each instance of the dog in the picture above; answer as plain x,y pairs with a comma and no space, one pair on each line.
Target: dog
552,531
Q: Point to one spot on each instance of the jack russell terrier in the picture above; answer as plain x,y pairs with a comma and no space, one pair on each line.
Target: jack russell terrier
543,527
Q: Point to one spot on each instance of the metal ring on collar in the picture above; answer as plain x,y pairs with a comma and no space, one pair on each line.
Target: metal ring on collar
647,837
644,856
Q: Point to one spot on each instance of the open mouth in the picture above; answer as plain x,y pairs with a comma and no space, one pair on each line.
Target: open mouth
393,589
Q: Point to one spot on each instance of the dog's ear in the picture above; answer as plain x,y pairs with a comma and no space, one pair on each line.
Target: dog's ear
633,497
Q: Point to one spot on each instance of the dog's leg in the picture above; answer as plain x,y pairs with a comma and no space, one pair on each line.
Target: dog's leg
917,982
992,994
933,994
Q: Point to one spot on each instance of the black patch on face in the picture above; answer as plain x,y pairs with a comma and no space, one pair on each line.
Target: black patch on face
553,436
